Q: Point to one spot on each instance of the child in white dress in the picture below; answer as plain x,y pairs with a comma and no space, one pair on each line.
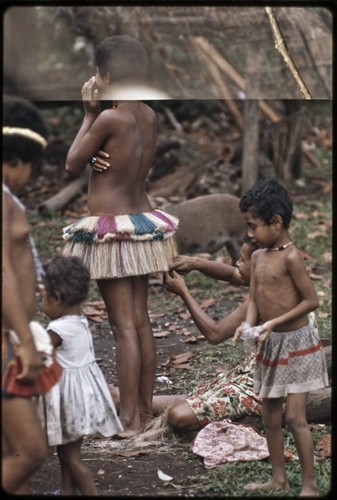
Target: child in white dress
80,404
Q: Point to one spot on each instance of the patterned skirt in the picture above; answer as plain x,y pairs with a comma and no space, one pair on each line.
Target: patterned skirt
230,395
117,246
290,362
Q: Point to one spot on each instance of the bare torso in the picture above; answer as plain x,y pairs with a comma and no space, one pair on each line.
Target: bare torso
131,146
275,290
20,254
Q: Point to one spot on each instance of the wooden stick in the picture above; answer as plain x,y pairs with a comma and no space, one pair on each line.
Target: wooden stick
224,91
63,197
282,48
232,73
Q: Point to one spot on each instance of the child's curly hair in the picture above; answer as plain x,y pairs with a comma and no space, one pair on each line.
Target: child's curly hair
68,277
266,199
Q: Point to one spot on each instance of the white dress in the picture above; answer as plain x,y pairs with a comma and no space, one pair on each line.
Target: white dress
80,404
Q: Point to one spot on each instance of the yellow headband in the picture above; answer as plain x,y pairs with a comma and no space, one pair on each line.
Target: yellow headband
25,132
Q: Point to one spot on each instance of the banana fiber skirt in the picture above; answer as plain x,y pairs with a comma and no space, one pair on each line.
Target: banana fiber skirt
117,246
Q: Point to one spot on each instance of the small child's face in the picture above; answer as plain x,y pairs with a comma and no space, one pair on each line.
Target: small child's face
259,231
243,264
50,305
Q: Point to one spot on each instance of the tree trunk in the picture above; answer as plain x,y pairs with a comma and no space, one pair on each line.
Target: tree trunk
250,163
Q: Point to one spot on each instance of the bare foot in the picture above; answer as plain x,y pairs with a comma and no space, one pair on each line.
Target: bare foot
145,419
309,492
270,485
114,391
126,434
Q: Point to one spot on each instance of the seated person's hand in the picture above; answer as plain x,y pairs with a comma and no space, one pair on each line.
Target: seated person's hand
174,283
99,161
237,335
183,264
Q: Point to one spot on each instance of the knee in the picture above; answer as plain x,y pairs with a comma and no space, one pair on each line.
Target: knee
181,417
295,421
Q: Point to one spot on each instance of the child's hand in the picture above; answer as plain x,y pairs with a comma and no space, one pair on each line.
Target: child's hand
99,162
89,97
174,282
265,330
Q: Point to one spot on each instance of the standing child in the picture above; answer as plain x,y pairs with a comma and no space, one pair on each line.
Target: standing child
124,239
290,360
80,404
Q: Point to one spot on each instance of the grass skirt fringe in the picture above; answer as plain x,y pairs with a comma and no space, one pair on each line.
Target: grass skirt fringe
123,245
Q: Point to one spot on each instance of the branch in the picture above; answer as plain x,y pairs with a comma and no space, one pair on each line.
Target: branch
282,48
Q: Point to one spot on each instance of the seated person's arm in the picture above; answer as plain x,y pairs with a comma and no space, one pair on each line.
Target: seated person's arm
214,332
183,264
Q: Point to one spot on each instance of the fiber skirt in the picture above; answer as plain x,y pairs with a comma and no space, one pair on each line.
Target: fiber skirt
290,362
117,246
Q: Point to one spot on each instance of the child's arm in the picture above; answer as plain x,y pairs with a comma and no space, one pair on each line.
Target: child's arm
183,264
55,338
252,310
214,332
306,291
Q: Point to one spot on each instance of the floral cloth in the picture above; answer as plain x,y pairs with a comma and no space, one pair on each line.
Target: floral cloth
222,442
230,395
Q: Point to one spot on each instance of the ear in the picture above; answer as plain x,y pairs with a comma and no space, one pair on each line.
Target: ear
56,297
277,221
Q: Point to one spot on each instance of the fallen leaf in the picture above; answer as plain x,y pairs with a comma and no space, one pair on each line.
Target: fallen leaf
314,276
316,234
207,302
184,315
323,446
100,472
159,335
181,358
163,477
191,340
301,216
185,366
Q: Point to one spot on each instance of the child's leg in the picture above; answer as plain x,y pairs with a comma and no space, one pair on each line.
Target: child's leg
272,419
296,420
25,441
75,474
147,347
119,300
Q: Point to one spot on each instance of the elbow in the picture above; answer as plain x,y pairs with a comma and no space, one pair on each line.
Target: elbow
73,172
213,337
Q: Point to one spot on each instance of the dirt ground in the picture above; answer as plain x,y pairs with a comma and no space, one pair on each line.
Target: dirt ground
130,467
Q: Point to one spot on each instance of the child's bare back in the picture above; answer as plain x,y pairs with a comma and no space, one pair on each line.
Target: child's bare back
131,142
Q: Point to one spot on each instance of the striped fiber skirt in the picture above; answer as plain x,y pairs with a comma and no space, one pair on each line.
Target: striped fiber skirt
290,362
117,246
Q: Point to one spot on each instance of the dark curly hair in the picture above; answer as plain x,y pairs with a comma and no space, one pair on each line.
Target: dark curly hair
266,199
18,112
123,57
69,277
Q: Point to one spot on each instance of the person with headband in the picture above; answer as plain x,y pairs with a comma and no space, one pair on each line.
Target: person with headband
25,372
